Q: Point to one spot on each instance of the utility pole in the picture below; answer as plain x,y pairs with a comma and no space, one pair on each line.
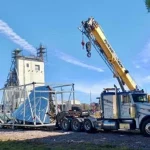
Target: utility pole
90,100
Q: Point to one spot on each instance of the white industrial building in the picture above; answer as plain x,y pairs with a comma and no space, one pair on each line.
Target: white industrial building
25,70
30,70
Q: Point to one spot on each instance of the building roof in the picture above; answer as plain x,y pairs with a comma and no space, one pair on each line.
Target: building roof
32,58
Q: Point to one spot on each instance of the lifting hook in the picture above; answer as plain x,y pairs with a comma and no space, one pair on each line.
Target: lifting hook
88,54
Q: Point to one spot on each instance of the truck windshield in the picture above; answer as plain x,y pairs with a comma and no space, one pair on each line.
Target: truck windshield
139,97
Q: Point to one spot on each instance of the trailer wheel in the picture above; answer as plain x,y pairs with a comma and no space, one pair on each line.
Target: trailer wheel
145,129
65,124
76,125
88,126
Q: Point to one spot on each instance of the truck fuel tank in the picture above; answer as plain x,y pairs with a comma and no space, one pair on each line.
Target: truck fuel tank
110,125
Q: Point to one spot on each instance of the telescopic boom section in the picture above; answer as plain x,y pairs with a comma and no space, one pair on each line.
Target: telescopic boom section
95,34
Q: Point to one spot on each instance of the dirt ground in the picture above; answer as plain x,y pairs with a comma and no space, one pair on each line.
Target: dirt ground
127,139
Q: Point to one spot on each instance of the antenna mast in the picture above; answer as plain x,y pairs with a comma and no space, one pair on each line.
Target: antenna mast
41,51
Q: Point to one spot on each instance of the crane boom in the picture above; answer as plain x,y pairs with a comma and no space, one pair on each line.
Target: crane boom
96,36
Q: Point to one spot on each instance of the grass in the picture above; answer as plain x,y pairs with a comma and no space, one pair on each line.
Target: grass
27,145
87,146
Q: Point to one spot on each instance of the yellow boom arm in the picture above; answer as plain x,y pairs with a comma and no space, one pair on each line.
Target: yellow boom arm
96,36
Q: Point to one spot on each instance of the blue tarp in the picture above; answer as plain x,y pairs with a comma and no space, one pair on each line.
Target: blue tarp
42,107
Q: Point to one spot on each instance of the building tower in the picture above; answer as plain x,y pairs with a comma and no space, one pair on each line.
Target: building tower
26,69
41,51
12,78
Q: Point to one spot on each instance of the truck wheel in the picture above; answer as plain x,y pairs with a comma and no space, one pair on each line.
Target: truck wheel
76,125
145,129
65,124
88,126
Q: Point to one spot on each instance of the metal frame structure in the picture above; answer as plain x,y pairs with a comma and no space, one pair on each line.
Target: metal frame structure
61,87
18,95
12,78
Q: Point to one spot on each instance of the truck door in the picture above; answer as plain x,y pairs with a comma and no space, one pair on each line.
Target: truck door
125,102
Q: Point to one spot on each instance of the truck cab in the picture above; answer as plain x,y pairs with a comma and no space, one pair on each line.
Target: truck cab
122,110
140,111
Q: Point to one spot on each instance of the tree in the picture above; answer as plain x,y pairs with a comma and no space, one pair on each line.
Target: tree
147,3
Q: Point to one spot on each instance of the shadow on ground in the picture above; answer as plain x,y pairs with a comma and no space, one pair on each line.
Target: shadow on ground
73,140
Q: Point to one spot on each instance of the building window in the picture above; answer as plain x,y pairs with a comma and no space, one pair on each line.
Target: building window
27,65
37,67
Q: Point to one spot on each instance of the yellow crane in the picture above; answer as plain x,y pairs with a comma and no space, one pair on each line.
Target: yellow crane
96,36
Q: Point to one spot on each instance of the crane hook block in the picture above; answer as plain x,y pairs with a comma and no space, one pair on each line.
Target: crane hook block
88,54
88,46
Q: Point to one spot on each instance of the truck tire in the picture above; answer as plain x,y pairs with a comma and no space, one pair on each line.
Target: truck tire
145,129
65,124
88,126
76,125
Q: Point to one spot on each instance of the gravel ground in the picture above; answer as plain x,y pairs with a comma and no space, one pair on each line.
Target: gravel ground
121,138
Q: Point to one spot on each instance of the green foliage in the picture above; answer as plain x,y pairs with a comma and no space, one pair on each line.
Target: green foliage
147,3
18,145
27,145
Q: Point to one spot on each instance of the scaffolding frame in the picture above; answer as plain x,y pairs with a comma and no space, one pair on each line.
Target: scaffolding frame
8,102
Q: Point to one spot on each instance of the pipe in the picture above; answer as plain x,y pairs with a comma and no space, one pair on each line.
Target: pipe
115,105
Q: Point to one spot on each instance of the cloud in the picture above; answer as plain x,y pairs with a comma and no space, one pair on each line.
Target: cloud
82,90
98,87
137,66
69,59
143,58
9,33
95,88
142,80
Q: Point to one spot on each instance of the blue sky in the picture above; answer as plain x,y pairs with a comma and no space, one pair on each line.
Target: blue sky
54,23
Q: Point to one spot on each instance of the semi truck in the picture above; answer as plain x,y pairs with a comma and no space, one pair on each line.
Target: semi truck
120,109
